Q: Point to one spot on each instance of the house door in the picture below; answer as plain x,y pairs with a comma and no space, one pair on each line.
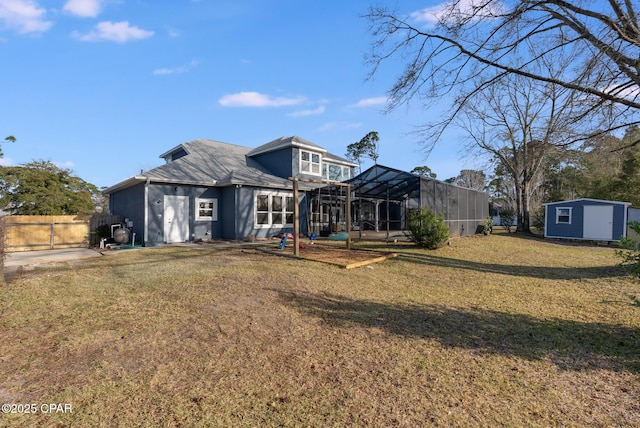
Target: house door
598,222
176,218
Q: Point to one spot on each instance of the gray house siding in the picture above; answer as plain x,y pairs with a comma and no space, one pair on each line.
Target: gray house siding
197,229
206,229
246,214
228,214
575,229
130,204
278,163
155,214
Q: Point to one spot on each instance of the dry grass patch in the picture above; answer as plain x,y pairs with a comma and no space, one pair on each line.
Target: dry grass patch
336,254
495,330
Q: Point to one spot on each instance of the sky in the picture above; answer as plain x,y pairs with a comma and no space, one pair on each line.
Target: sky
103,87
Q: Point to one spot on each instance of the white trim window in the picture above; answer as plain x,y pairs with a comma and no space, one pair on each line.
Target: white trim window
206,209
310,162
334,172
346,173
563,215
274,209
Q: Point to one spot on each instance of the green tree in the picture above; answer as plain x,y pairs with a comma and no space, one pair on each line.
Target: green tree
423,171
43,188
366,147
563,175
607,168
9,139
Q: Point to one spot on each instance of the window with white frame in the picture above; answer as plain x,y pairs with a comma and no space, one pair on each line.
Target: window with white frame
346,173
274,209
310,162
206,209
563,215
335,172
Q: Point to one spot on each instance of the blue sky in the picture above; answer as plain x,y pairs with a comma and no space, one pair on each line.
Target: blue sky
103,87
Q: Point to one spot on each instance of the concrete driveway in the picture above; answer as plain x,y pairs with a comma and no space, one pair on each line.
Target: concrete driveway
31,259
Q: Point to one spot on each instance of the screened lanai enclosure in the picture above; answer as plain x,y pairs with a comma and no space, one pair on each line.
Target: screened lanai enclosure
382,198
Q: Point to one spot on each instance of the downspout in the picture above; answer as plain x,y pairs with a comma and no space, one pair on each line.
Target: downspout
146,211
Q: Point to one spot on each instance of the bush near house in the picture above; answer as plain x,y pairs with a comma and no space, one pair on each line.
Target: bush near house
426,229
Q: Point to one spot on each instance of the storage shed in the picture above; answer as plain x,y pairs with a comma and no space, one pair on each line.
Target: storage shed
589,219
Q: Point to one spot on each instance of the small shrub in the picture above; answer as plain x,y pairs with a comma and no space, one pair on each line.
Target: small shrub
630,253
487,225
426,229
507,218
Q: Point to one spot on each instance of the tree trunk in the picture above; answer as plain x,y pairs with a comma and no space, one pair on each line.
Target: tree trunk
524,225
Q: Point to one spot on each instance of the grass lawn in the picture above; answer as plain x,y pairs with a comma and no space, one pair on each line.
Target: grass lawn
493,330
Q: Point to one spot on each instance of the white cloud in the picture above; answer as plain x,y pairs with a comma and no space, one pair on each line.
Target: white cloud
24,16
119,32
370,102
303,113
176,70
255,99
465,8
83,8
64,165
6,162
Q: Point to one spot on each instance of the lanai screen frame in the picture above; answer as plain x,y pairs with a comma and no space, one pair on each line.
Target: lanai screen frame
463,209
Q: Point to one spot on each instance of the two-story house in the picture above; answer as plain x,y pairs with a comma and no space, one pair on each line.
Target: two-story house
210,190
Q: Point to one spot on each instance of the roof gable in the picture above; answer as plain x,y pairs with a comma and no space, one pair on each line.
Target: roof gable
284,142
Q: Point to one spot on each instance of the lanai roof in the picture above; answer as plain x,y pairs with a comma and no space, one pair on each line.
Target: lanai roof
375,181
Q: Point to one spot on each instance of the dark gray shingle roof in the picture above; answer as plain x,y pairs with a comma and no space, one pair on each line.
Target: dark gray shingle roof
213,161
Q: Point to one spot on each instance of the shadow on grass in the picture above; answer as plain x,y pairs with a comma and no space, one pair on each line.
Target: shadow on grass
571,345
544,272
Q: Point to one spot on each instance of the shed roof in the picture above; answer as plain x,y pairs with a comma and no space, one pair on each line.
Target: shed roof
588,200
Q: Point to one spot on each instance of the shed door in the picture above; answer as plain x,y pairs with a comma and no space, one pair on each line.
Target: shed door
598,222
176,218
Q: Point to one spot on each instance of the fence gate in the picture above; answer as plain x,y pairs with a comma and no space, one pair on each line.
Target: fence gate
26,232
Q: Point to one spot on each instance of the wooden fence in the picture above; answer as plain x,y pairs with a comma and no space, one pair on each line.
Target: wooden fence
27,232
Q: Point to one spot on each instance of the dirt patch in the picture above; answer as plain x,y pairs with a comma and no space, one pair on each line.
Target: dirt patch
334,255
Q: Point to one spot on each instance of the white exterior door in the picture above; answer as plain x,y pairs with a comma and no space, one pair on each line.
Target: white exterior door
598,222
176,218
